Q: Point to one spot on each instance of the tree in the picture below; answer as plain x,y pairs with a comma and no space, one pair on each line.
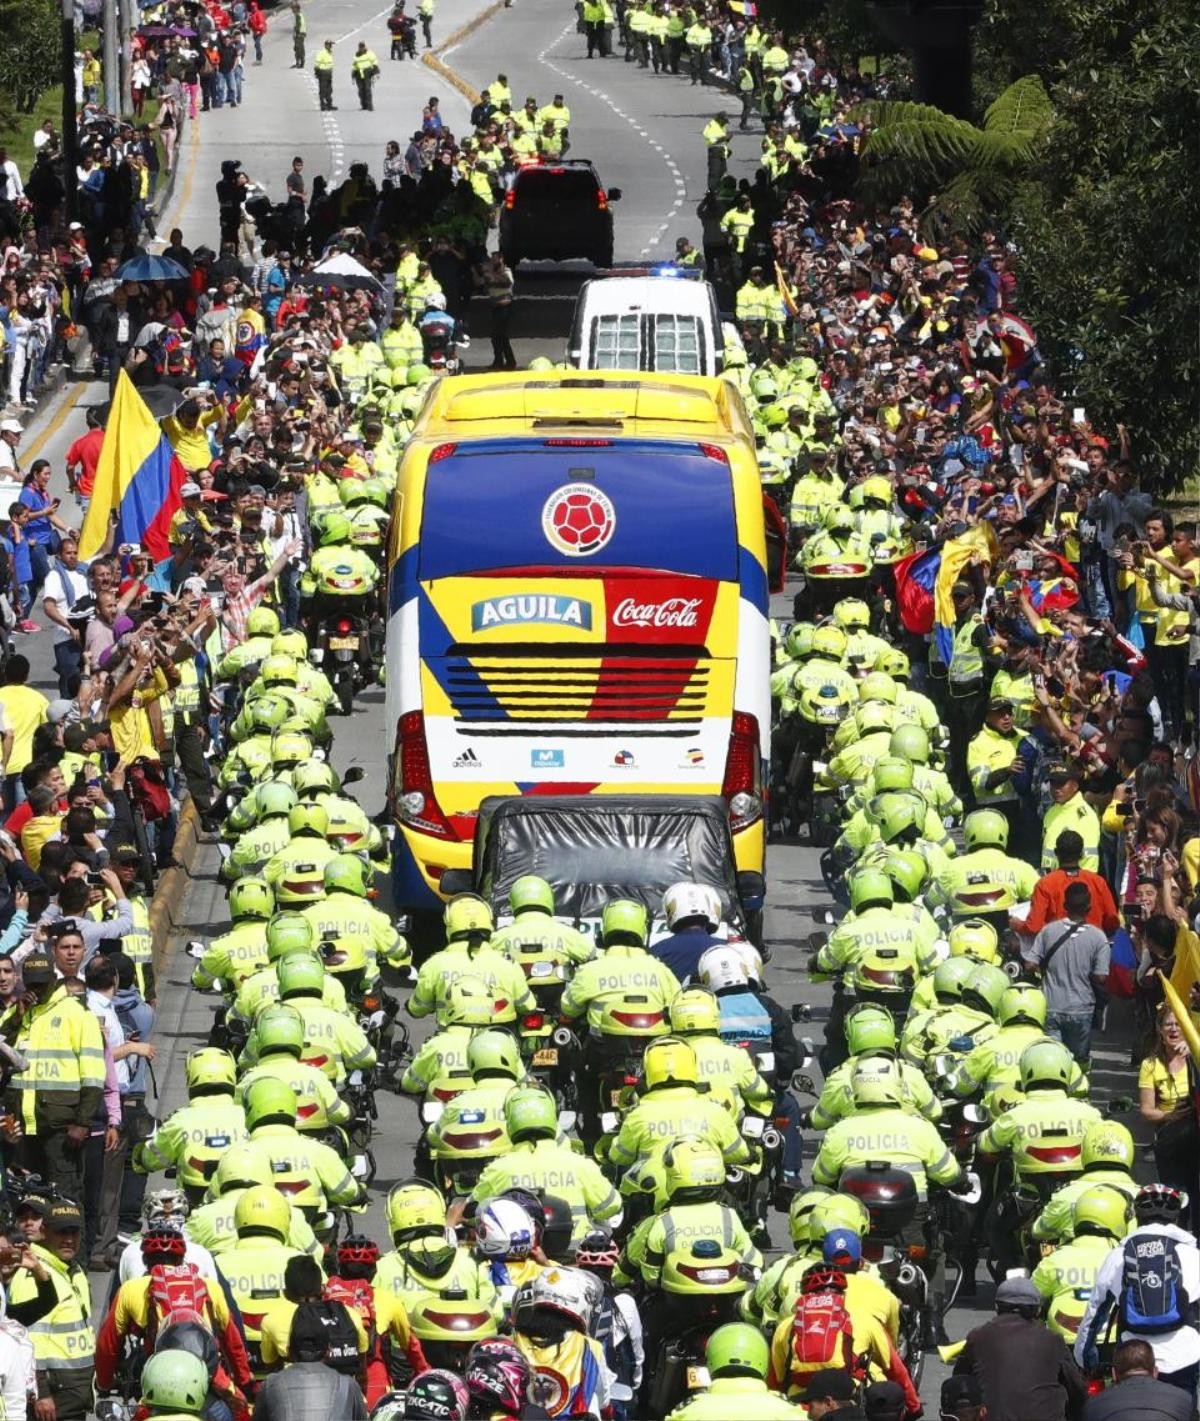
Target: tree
30,53
969,172
1105,226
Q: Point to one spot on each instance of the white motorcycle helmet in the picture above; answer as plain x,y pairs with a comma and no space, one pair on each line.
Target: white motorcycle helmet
751,956
503,1230
692,900
567,1292
722,967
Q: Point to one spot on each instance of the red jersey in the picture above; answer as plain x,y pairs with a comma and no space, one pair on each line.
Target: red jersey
85,453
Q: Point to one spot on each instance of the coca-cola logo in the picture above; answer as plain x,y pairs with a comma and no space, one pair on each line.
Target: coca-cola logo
671,612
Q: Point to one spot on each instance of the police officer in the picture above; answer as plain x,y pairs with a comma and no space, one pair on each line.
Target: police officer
870,1031
271,803
278,1044
194,1137
241,1167
1107,1158
1100,1218
737,1359
967,996
345,919
985,882
262,625
363,69
426,1257
333,1039
671,1106
468,953
716,142
1069,811
541,1163
996,768
306,1171
494,1061
534,925
233,956
323,69
296,872
439,1069
729,1070
966,682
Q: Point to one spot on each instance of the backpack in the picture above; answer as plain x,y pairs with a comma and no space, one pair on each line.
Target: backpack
822,1334
177,1294
1153,1299
334,1318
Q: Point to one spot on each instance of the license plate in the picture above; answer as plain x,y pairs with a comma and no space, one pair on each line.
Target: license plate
547,1056
697,1378
617,1094
343,643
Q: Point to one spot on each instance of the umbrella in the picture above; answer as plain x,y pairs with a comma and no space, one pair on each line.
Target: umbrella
342,272
146,267
160,400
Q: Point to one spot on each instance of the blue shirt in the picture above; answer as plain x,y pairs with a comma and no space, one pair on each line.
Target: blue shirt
682,951
37,530
20,556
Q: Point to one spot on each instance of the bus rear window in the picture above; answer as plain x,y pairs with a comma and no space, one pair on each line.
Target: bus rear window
661,506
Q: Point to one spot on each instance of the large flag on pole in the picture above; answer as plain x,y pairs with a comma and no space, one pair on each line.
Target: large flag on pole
138,477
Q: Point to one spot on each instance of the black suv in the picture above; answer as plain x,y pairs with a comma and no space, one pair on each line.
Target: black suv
557,211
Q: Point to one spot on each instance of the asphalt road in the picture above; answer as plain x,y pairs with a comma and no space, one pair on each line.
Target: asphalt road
643,131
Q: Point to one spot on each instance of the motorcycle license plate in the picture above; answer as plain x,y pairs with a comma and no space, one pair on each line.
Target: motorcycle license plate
547,1056
697,1378
343,643
617,1094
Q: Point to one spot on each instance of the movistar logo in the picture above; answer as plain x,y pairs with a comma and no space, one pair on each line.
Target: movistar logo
529,608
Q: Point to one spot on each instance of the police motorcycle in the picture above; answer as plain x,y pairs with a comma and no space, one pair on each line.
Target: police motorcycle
811,710
548,1048
836,563
338,604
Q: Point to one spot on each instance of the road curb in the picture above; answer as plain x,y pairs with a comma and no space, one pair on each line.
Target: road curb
174,883
439,66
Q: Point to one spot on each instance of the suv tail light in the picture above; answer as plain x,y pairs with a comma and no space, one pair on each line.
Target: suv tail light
602,199
742,786
416,803
510,198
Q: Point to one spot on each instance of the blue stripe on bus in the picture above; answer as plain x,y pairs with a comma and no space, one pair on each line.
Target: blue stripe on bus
435,640
753,579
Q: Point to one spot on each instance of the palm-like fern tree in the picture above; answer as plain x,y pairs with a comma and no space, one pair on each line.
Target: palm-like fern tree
970,170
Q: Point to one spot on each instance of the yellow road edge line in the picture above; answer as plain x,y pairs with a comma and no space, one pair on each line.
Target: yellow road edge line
439,66
38,443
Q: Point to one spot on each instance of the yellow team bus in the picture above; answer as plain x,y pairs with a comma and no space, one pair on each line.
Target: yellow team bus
577,603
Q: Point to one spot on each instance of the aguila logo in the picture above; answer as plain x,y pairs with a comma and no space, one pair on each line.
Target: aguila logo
672,612
578,520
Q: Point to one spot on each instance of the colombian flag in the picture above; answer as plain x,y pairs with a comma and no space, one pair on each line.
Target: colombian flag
956,554
138,477
916,577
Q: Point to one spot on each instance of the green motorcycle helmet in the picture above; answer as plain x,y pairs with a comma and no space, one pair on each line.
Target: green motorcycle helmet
530,1114
909,874
839,1211
974,938
334,529
414,1205
1022,1005
289,748
347,873
737,1350
251,900
418,374
985,829
1101,1211
279,1030
275,800
950,978
495,1053
763,386
878,686
300,975
379,492
873,717
540,362
800,1212
869,1028
279,670
352,493
312,778
829,641
870,888
311,819
876,1081
985,987
899,814
693,1170
895,663
1107,1145
267,713
468,919
531,894
1046,1063
288,932
695,1012
799,642
839,519
624,922
269,1102
290,642
241,1167
852,614
209,1071
469,1003
262,621
912,742
175,1380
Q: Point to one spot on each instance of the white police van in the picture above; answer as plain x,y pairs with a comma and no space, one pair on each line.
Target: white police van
662,319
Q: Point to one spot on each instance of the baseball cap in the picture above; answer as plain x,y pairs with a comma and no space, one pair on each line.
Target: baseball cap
841,1247
75,227
33,1204
195,585
1061,771
885,1401
190,490
124,852
830,1385
1018,1293
63,1215
11,426
1000,703
37,969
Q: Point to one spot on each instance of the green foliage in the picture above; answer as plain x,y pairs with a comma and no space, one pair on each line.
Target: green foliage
966,171
29,54
1105,224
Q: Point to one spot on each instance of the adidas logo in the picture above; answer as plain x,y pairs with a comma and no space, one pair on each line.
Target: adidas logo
467,760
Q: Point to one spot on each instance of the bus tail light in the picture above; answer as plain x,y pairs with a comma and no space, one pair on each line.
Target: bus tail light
742,787
714,451
416,803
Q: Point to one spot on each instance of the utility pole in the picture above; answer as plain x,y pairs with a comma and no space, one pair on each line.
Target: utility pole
112,61
125,34
70,113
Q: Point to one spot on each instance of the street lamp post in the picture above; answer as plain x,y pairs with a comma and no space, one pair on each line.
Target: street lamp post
70,131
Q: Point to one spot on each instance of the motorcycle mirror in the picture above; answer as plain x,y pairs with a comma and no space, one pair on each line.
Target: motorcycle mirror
353,775
942,1065
316,656
566,1119
807,1051
975,1193
801,1011
195,949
